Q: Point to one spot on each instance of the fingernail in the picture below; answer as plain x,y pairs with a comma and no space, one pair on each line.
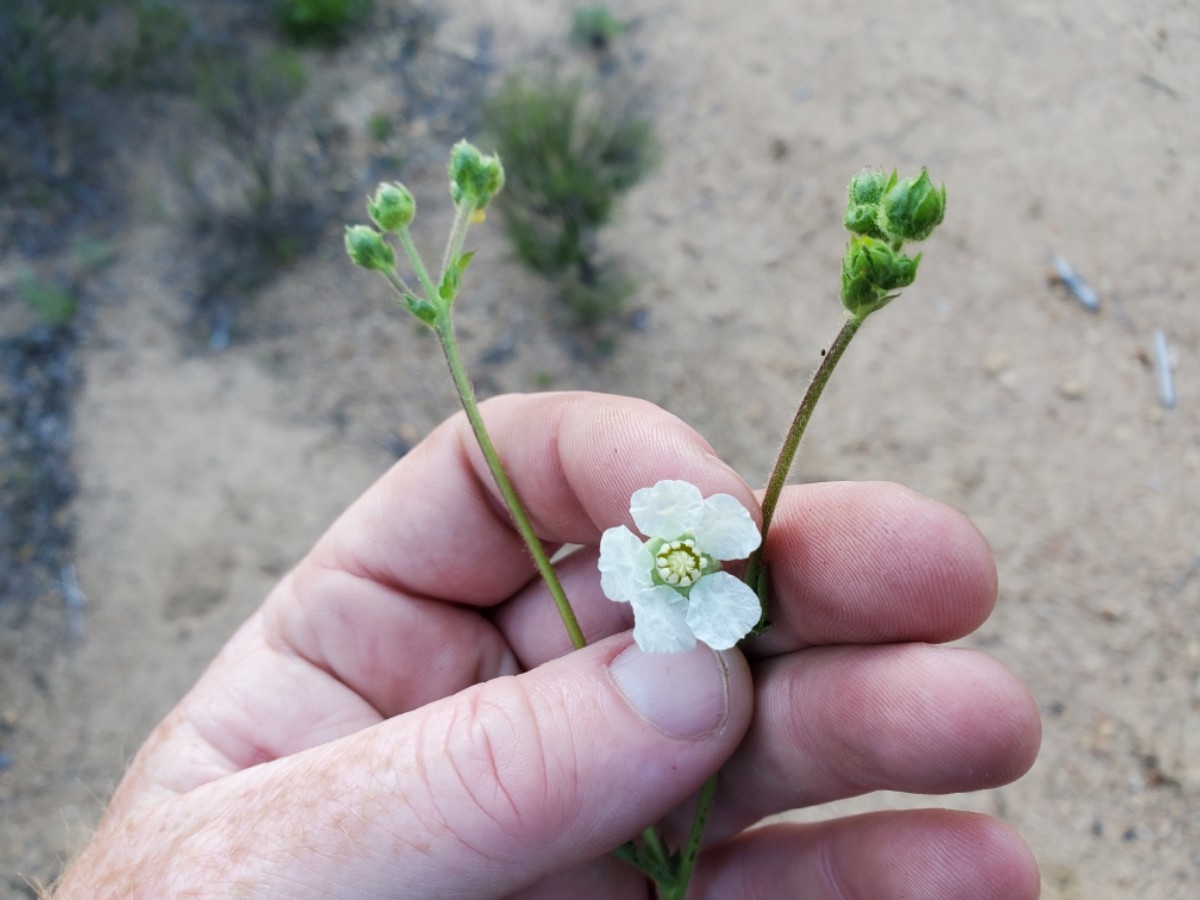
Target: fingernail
683,695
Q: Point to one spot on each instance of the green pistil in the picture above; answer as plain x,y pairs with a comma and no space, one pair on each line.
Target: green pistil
679,564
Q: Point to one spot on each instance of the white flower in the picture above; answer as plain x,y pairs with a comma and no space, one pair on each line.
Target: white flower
674,580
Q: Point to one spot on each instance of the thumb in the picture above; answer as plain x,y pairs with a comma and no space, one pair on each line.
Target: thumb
475,795
489,790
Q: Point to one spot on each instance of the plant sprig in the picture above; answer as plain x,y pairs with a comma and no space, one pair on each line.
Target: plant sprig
474,179
882,214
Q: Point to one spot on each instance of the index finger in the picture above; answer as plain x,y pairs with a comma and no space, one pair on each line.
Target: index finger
380,617
435,526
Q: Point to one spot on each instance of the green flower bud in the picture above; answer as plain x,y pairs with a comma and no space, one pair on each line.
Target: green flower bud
368,249
862,220
871,272
867,187
393,207
474,176
912,208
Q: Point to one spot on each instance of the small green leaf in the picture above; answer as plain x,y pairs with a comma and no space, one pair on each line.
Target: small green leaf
448,289
422,310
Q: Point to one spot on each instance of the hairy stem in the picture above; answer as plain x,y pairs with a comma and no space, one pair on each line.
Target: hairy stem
466,394
458,235
410,250
691,850
791,443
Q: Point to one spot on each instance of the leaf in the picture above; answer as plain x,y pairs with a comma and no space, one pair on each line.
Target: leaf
420,308
448,289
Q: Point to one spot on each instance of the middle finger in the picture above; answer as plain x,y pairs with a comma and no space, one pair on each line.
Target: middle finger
837,722
849,563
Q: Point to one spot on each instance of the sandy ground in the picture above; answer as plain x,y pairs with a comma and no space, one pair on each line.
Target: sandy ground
1056,126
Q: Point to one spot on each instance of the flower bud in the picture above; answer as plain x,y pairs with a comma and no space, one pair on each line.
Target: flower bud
912,208
867,187
871,272
862,220
474,176
368,249
393,207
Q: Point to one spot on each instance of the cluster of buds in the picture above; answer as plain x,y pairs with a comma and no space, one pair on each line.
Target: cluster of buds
474,179
392,209
883,212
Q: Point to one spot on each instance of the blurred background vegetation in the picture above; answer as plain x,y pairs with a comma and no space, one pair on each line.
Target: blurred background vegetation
232,105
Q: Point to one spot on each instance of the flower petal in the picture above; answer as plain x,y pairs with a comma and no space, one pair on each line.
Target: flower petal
625,564
726,529
660,617
722,610
667,510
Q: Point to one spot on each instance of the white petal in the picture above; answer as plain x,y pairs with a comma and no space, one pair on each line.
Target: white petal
625,564
726,530
660,621
668,509
722,610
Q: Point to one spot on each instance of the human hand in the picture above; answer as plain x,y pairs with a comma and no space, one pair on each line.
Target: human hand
403,718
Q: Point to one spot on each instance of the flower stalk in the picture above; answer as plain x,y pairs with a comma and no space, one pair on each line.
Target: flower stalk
466,395
674,579
474,180
791,442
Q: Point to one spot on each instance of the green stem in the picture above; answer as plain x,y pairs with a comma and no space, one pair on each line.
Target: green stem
655,846
466,394
410,250
458,234
399,284
676,887
691,850
633,856
791,443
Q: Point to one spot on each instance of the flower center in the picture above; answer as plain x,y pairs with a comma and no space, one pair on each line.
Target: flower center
679,563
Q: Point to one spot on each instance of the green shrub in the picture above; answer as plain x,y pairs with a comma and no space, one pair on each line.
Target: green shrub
380,127
248,97
32,61
595,28
48,46
568,157
257,203
321,21
597,295
569,154
148,55
53,306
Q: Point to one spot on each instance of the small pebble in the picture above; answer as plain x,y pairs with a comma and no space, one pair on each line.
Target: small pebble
1072,390
1192,651
996,362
